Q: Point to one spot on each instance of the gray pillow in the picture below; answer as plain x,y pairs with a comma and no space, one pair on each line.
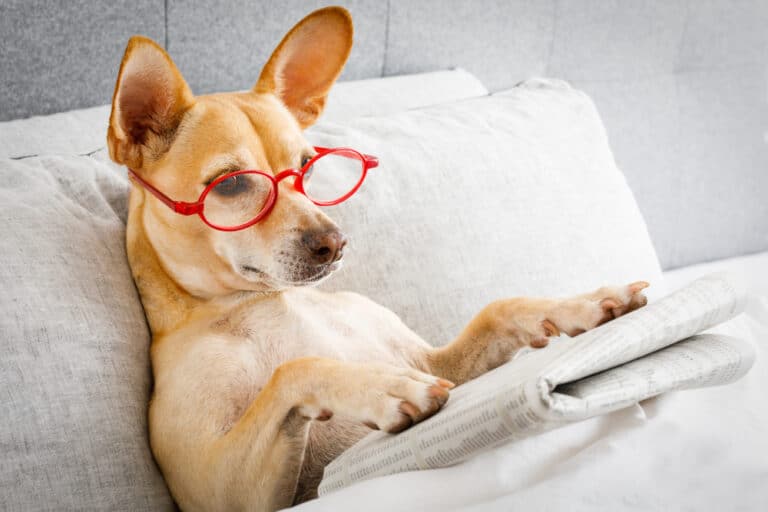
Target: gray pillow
74,363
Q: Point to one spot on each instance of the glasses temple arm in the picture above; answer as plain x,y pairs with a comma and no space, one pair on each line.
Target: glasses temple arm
181,207
370,160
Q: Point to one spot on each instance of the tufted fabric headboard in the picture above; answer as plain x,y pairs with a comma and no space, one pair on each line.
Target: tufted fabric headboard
682,86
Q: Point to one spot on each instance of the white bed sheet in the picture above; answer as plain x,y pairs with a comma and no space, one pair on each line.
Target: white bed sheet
693,450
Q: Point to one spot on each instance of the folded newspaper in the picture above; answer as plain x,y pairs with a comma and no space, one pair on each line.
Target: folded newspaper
650,351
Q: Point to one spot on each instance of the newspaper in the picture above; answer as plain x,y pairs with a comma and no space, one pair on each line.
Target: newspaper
652,350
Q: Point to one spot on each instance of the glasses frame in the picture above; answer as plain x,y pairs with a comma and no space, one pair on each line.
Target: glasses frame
198,207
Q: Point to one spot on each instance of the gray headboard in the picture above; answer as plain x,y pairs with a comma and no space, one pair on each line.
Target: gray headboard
682,85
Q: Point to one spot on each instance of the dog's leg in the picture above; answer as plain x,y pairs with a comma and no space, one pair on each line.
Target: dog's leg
260,457
504,327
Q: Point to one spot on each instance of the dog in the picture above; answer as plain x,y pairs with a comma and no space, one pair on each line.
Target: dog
261,380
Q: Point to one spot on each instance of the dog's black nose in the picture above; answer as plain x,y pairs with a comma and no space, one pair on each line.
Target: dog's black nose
324,246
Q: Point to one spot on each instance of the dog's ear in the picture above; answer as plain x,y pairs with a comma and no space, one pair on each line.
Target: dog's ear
307,62
149,100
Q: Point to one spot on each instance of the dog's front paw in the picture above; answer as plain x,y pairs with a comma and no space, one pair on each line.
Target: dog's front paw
616,301
400,397
577,315
381,396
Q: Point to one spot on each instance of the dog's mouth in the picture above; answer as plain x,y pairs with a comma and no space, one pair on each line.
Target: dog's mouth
247,269
321,273
298,277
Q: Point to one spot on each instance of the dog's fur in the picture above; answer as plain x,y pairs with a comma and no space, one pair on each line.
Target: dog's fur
249,365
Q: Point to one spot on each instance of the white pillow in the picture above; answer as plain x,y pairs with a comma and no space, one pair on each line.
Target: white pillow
508,195
80,132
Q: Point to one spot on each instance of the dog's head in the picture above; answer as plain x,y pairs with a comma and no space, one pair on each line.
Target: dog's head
179,142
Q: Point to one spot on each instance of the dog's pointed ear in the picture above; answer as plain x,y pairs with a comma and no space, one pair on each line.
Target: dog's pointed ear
307,62
150,98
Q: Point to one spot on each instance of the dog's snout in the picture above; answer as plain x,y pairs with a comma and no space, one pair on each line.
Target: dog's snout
324,246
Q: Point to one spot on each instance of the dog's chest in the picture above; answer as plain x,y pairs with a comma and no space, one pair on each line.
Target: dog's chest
262,335
209,373
311,323
246,343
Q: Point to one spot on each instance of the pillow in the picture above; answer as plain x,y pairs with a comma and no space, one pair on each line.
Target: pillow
379,96
84,131
74,364
510,195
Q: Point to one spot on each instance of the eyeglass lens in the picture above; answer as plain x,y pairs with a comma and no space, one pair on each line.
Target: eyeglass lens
242,197
333,176
237,199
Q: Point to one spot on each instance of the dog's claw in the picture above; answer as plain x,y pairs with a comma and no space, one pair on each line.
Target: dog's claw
550,329
438,392
410,409
446,383
406,420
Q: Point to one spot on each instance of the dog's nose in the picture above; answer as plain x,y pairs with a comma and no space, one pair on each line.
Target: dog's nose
324,246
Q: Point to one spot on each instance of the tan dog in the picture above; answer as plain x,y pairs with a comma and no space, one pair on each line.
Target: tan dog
249,366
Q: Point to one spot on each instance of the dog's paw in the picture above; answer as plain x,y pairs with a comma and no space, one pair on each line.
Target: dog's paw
400,397
619,300
585,312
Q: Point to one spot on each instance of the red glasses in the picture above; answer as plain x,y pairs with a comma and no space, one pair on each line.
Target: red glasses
240,199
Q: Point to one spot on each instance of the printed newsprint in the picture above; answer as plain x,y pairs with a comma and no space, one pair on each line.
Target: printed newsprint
652,350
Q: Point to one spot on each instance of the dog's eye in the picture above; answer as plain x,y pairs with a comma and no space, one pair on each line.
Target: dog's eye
308,172
233,186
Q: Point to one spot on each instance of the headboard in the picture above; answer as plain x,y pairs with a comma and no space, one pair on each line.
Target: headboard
682,86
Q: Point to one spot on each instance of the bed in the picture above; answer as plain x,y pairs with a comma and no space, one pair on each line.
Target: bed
653,164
